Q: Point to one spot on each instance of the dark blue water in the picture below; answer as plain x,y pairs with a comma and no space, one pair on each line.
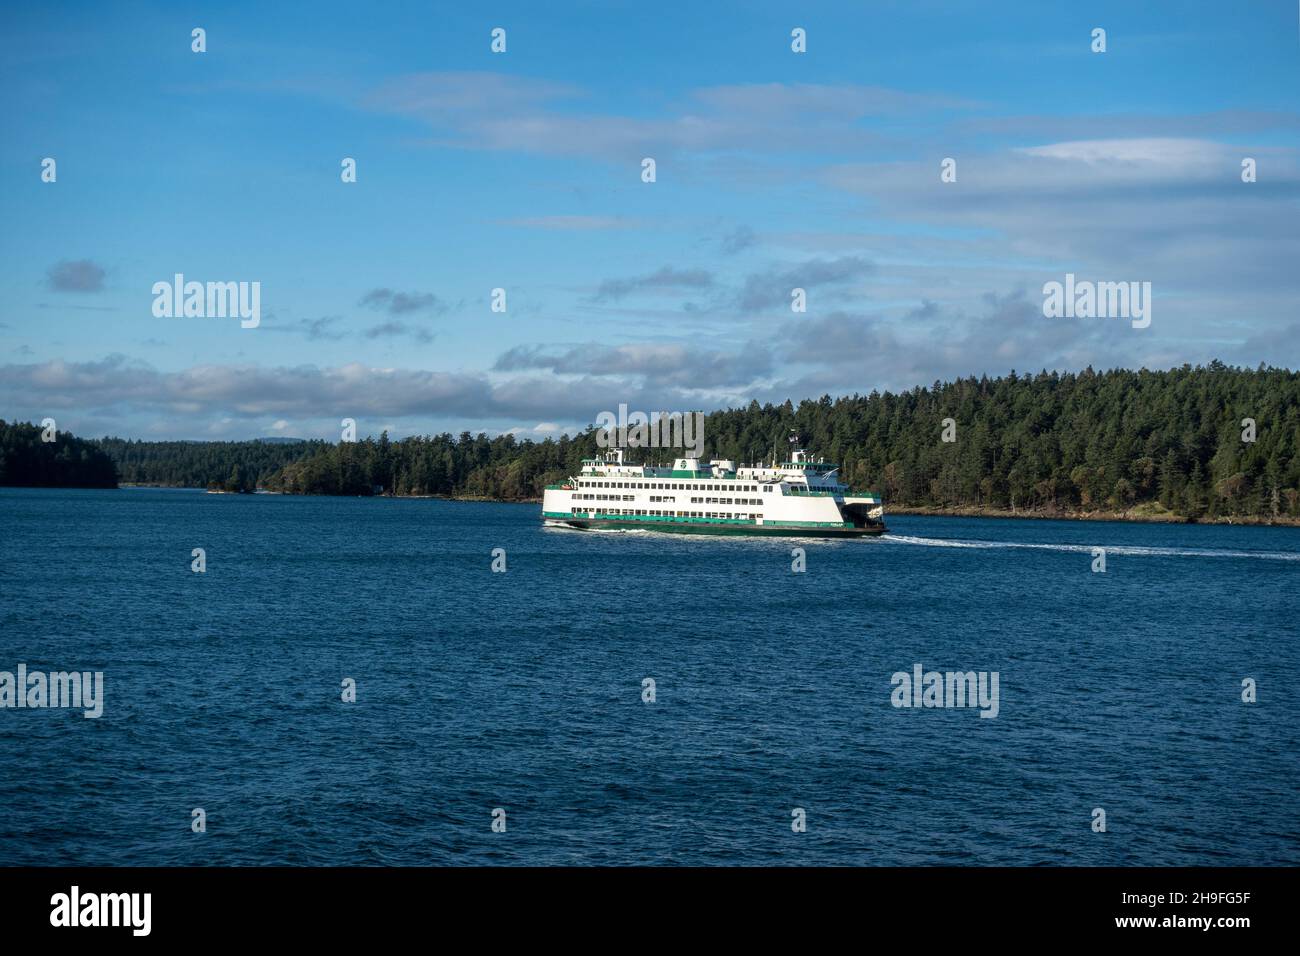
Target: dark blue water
522,690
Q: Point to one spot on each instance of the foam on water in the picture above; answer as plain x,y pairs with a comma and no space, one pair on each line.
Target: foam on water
1088,548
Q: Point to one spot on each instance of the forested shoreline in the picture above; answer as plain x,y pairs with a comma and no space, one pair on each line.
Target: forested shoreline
236,466
1177,445
1151,445
28,459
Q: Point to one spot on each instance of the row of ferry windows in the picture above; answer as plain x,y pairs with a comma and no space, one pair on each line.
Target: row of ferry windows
671,498
665,514
669,486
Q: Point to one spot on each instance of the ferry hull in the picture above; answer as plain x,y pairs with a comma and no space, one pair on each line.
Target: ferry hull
774,531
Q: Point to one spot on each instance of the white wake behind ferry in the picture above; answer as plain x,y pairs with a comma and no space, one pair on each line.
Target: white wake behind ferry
695,496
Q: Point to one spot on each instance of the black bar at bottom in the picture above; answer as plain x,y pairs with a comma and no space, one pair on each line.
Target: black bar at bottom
338,904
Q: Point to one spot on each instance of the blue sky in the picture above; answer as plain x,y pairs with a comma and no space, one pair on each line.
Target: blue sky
522,171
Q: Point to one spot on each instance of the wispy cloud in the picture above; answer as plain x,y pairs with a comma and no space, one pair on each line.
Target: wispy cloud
494,111
75,275
665,278
767,289
388,330
570,223
738,240
1171,211
324,329
674,364
400,303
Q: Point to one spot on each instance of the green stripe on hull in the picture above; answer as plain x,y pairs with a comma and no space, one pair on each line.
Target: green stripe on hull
669,519
788,530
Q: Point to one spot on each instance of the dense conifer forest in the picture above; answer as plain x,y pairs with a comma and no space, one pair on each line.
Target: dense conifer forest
224,465
66,462
1144,443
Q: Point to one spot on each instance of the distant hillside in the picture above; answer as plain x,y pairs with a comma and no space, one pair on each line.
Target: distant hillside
66,462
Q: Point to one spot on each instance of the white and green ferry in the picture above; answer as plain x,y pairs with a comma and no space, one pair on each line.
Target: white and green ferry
797,497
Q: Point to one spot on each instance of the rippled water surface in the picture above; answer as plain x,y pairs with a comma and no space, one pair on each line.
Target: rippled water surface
523,690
